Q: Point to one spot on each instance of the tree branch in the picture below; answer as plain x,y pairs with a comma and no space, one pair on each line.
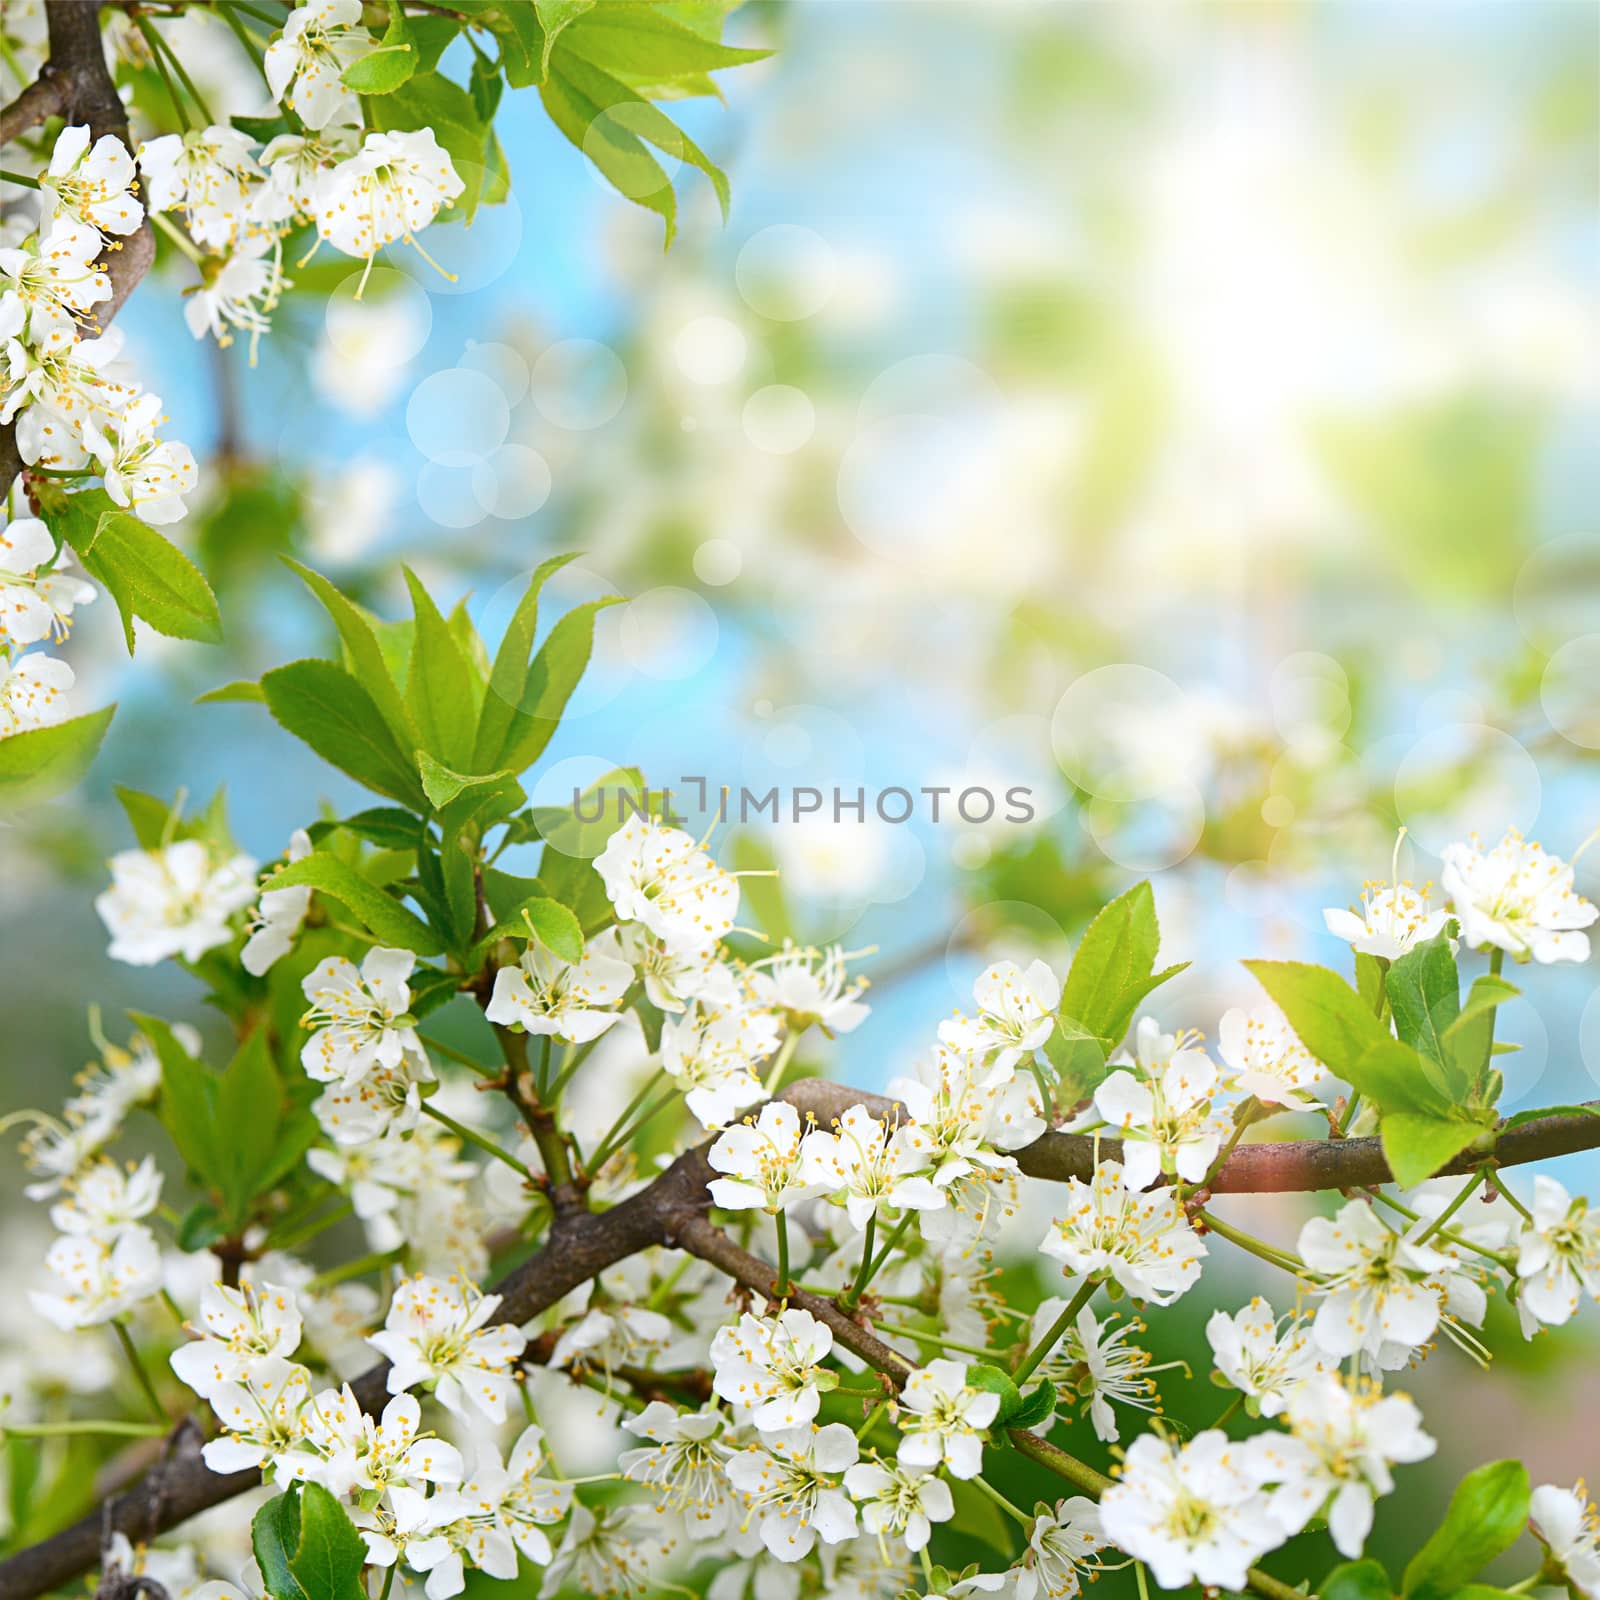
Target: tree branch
75,83
672,1212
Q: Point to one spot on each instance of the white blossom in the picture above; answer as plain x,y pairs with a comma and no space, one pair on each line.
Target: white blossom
435,1334
99,1279
240,290
659,876
1558,1256
545,994
710,1053
1517,898
92,186
772,1366
763,1162
106,1199
1142,1242
1392,920
37,593
208,174
901,1500
868,1166
943,1418
173,901
1265,1057
244,1328
347,1451
966,1114
262,1416
602,1553
305,63
1343,1439
275,923
686,1463
1016,1012
1566,1523
54,395
1193,1513
391,189
360,1019
1264,1357
811,989
33,692
143,472
1063,1546
791,1483
57,280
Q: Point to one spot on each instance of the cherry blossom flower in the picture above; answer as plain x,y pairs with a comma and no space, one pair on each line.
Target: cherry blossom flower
1063,1546
1517,898
33,692
659,876
544,994
57,280
385,1100
1265,1057
173,901
1392,920
618,1335
525,1502
146,474
965,1114
1344,1437
275,923
295,165
946,1421
772,1366
244,1328
261,1417
710,1054
37,594
790,1481
1016,1012
868,1165
1264,1357
810,988
305,63
1566,1523
763,1161
603,1552
902,1500
361,1020
92,186
1098,1361
208,174
240,290
1558,1256
107,1199
391,189
434,1335
686,1463
54,395
1193,1513
99,1279
1375,1289
1141,1241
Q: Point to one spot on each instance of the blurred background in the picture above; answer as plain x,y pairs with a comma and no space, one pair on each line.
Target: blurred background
1188,413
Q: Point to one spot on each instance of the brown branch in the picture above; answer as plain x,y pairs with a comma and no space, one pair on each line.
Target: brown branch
671,1212
76,84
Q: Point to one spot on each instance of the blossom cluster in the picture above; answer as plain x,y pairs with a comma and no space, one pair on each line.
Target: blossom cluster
742,1422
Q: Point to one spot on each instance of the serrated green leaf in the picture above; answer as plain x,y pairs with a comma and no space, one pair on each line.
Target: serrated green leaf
554,926
1425,993
150,578
380,913
39,763
990,1379
245,689
1037,1407
275,1537
552,676
1116,955
1470,1037
439,684
1549,1111
637,41
553,17
1487,1514
363,650
387,826
442,785
331,1554
1370,975
188,1101
1417,1146
391,64
326,708
508,677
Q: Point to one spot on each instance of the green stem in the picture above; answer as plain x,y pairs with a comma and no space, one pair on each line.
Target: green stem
158,58
783,1255
1056,1331
1450,1210
472,1136
872,1417
125,1339
614,1137
252,45
354,1269
1228,1415
859,1283
1233,1142
157,42
985,1487
1350,1107
1503,1258
309,1230
785,1053
937,1340
541,1069
52,1430
460,1057
659,1104
186,245
18,177
1259,1248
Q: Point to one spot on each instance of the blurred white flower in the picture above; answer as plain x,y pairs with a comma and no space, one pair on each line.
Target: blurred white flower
1566,1523
1517,898
173,901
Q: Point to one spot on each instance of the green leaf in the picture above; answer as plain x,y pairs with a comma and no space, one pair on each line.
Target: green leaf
432,35
552,676
508,678
391,64
1416,1145
1356,1580
1487,1514
152,579
1425,992
275,1537
1370,973
990,1379
331,1553
200,1227
439,693
553,17
1549,1111
386,826
326,707
363,651
1116,956
1037,1407
249,1105
380,913
187,1100
1470,1037
442,785
641,42
38,763
240,689
555,927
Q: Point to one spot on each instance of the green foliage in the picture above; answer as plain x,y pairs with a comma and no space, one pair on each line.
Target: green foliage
39,763
307,1547
236,1131
1356,1580
391,64
378,911
1487,1514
